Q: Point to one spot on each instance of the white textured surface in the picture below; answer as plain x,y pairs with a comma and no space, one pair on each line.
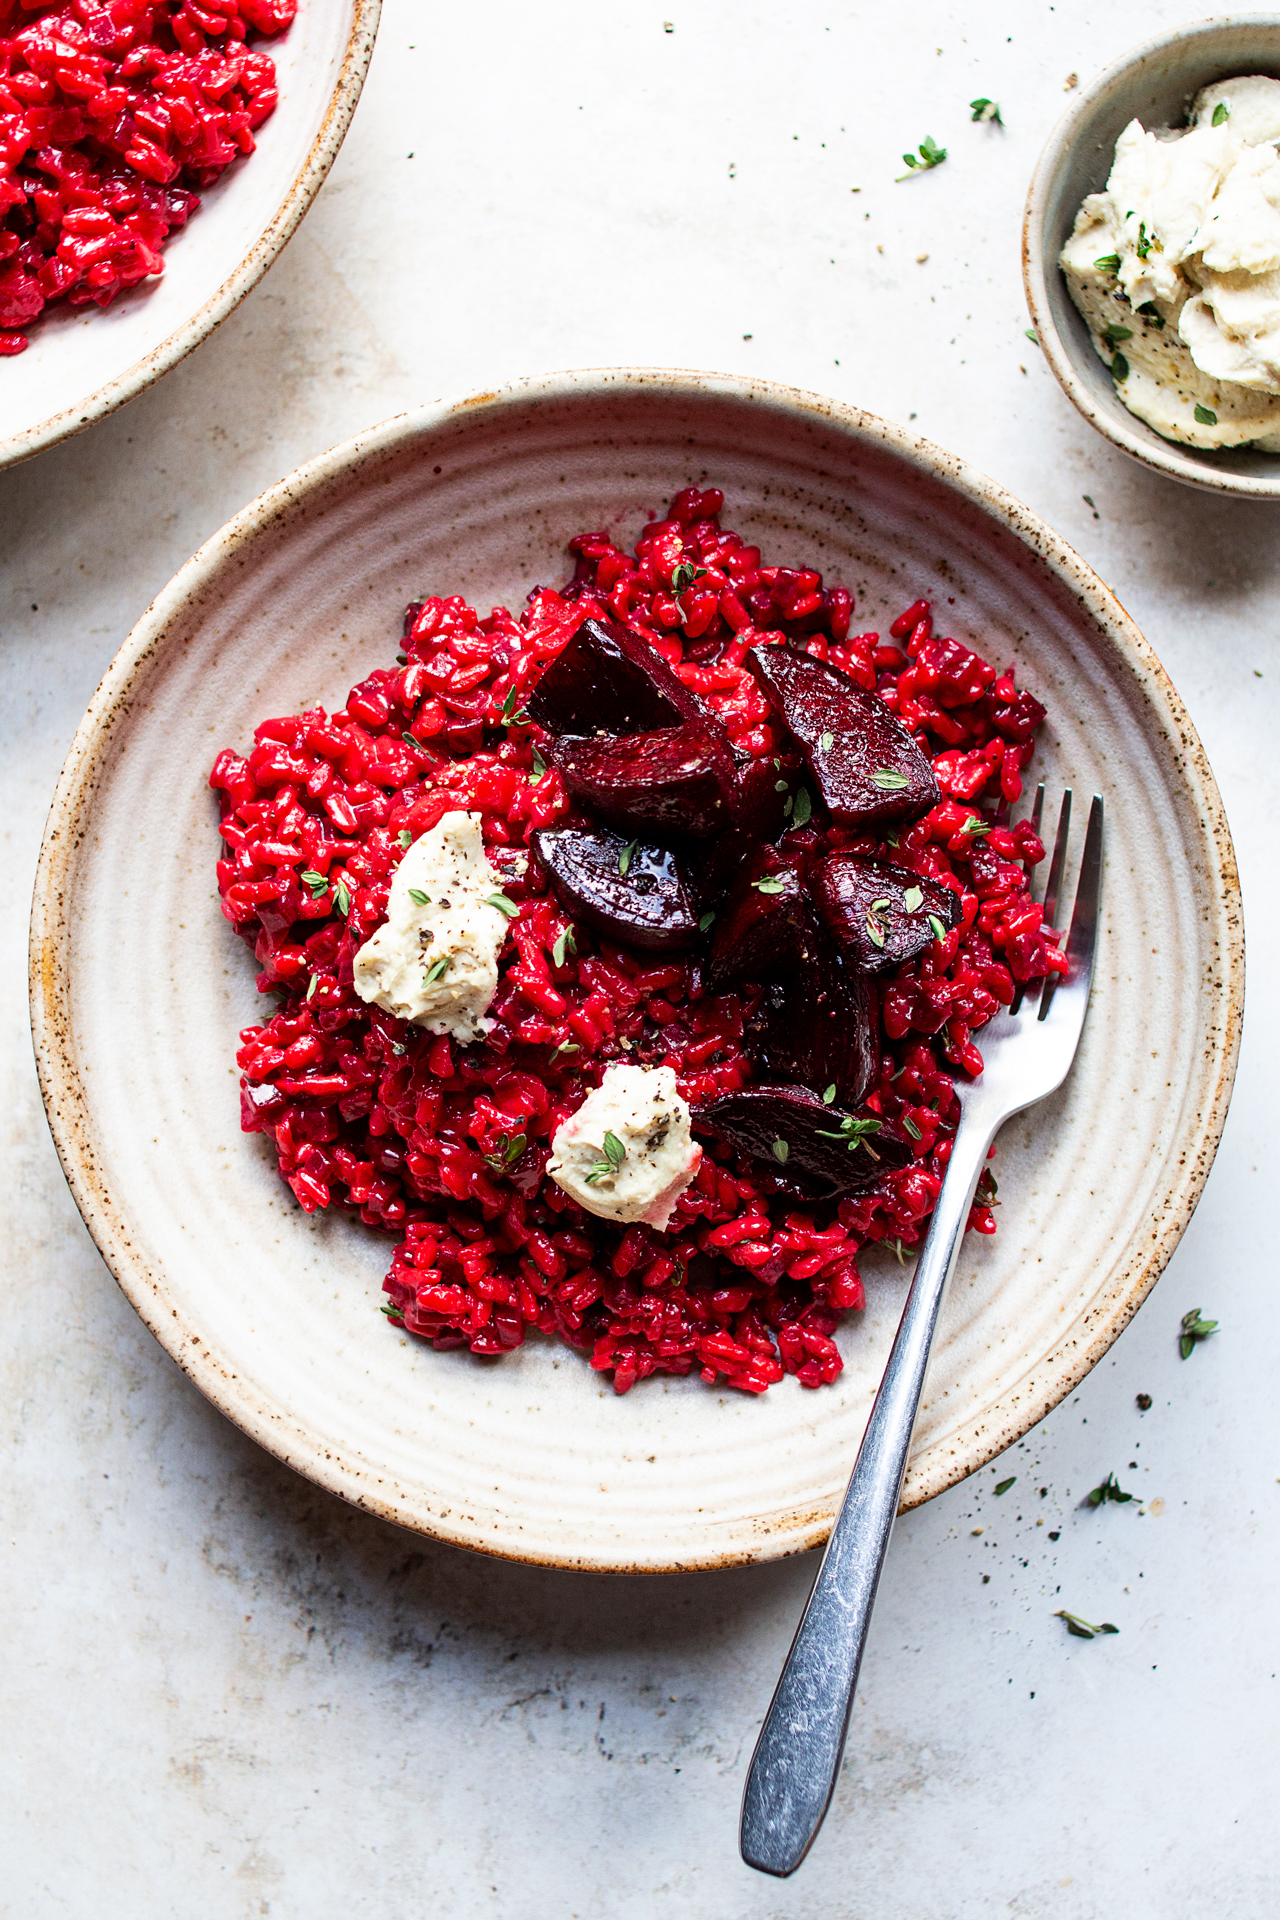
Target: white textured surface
227,1694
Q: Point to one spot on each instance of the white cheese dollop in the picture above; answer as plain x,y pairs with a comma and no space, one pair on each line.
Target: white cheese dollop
1194,307
450,920
642,1111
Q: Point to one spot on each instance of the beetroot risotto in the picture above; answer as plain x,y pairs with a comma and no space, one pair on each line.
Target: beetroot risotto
113,118
741,864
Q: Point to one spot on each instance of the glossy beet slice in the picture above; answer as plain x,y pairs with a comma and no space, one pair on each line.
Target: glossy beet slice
869,771
762,787
608,680
767,924
879,914
820,1027
646,906
789,1130
678,780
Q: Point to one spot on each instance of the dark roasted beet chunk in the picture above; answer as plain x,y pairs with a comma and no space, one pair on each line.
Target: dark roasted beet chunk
823,1149
761,791
869,771
820,1027
879,914
678,780
632,894
767,924
609,680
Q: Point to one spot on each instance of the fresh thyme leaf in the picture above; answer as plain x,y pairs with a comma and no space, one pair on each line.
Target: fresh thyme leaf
705,922
1109,1490
1221,114
789,807
891,840
612,1158
913,899
341,898
565,1046
974,826
769,885
419,899
315,883
939,931
412,740
1108,263
897,1249
508,717
1082,1629
827,741
684,575
987,110
1003,1486
853,1133
539,768
1145,241
1115,334
829,1095
405,838
911,1127
501,902
931,155
1206,416
437,970
1120,367
1193,1329
1150,311
391,1312
1033,336
875,925
780,1151
779,786
315,982
803,809
510,1148
564,944
888,781
625,858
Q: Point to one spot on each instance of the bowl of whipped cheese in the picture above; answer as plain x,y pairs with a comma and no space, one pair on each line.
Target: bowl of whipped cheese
1151,254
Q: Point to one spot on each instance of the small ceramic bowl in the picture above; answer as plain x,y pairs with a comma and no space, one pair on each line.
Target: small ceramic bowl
1155,84
84,362
274,1313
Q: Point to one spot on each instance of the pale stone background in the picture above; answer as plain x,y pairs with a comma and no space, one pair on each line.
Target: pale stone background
227,1695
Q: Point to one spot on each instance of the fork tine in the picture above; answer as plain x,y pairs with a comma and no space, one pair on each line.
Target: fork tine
1057,865
1082,937
1029,994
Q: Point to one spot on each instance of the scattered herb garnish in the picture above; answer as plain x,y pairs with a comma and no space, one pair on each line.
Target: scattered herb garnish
1003,1486
987,110
341,898
779,786
931,155
1221,114
684,575
829,1094
508,716
875,925
827,741
803,809
1120,367
891,839
539,768
911,1127
412,740
392,1313
988,1188
1033,336
1146,241
769,885
974,826
565,1046
565,943
419,899
780,1150
1108,263
501,902
614,1155
888,781
510,1148
939,931
315,883
1193,1329
405,838
1082,1629
853,1133
1115,333
315,982
625,858
1109,1490
1144,1403
897,1249
913,899
705,921
438,969
1206,416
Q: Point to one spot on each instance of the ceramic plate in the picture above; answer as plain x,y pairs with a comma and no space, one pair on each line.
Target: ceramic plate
139,985
84,363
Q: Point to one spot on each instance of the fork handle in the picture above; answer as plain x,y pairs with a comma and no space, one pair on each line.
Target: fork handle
797,1758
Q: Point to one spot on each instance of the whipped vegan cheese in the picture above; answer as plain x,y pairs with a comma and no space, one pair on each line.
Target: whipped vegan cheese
1176,268
644,1116
434,961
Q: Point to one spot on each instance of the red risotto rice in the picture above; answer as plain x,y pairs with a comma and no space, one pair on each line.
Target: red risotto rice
445,1147
113,118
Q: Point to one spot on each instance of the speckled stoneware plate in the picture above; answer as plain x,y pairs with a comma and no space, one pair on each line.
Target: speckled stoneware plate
1154,83
83,363
139,985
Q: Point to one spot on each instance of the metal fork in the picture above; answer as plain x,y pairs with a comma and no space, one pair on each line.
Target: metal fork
1027,1052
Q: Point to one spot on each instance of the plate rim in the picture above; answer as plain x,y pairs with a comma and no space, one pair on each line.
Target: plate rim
195,330
1054,1376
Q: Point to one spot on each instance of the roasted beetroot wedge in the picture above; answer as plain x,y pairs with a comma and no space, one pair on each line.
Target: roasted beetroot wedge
632,894
825,1150
869,771
761,791
820,1027
880,915
609,680
675,781
767,925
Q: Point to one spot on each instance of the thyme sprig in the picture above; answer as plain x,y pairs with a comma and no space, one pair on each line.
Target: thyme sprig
612,1157
931,155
